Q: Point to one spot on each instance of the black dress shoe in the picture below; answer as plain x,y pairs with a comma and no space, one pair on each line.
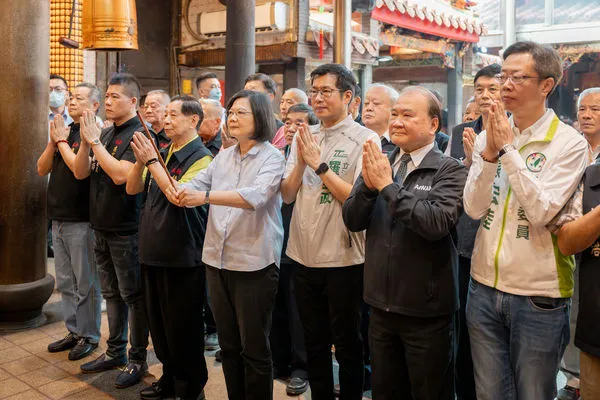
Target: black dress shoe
82,349
103,364
66,343
296,386
158,390
131,374
218,356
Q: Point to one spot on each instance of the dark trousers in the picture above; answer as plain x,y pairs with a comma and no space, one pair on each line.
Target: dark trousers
464,378
242,303
287,336
209,319
329,301
120,283
411,358
172,303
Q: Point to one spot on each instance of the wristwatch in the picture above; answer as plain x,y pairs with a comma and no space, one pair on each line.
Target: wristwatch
207,197
96,141
323,167
505,149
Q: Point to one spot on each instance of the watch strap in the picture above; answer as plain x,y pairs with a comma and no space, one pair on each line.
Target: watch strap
323,167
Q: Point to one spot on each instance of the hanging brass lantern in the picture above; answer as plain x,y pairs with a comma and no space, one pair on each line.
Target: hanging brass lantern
109,25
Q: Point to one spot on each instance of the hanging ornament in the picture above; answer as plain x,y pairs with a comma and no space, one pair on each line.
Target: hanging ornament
321,34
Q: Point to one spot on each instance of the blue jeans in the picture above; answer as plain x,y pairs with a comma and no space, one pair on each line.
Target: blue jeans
119,271
516,343
76,278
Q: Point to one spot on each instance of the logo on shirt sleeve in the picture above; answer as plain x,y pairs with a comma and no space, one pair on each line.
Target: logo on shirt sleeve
535,162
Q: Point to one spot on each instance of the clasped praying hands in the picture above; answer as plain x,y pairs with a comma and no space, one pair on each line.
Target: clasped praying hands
376,168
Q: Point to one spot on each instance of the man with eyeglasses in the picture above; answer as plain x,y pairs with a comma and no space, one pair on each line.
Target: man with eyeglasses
155,108
328,258
59,95
524,170
487,91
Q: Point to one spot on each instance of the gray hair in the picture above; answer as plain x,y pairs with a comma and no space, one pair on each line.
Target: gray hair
390,91
94,91
165,99
299,94
212,109
592,90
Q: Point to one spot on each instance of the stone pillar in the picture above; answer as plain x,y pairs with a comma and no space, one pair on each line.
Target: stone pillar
455,94
510,33
24,61
240,49
342,45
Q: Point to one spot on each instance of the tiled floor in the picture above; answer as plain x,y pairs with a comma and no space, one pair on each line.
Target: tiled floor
29,372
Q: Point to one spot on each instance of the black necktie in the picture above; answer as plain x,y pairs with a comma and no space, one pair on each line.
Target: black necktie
404,160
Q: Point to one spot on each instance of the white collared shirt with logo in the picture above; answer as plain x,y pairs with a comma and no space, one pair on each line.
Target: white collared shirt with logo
318,236
516,199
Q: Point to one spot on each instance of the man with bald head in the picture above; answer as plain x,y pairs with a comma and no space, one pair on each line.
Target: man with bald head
409,203
210,129
155,107
377,111
290,97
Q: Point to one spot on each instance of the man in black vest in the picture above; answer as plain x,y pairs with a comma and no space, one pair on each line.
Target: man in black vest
487,90
171,241
409,210
155,107
69,211
114,216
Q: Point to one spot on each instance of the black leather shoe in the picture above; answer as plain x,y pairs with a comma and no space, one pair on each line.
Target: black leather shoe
296,386
218,356
82,349
66,343
103,364
158,390
132,374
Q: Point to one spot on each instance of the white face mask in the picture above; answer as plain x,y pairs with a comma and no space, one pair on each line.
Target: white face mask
57,99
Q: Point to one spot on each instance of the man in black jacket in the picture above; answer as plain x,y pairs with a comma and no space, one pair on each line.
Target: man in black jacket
409,209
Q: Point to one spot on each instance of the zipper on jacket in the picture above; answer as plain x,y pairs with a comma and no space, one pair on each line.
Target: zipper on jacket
497,256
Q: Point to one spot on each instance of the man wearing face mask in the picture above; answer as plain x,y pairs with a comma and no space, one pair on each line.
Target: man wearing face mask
59,93
209,86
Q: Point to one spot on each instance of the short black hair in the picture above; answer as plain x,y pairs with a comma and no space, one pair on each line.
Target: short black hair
266,80
345,78
546,59
489,70
56,76
305,109
204,76
190,106
129,82
264,120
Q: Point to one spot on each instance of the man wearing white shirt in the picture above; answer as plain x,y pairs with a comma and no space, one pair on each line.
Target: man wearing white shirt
328,275
377,110
524,170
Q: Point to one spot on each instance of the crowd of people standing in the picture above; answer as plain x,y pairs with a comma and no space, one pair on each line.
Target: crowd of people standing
431,266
